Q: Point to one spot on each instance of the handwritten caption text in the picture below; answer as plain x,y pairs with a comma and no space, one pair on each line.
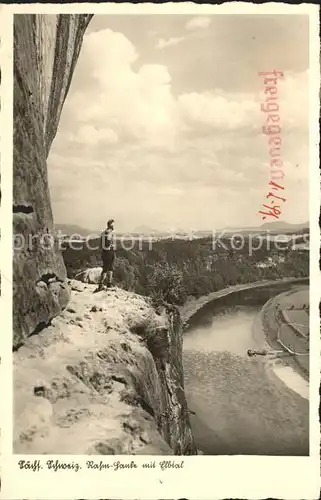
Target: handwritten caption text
102,465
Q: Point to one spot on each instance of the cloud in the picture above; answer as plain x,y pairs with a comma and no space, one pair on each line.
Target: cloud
88,134
128,143
120,100
294,99
221,111
162,43
242,111
171,191
134,104
199,22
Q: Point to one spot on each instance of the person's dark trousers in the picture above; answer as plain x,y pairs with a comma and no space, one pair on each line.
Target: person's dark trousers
108,257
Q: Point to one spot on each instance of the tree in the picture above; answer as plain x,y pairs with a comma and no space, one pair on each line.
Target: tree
165,281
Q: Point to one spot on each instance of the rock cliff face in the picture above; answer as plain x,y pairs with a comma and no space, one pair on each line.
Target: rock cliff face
46,49
105,375
105,378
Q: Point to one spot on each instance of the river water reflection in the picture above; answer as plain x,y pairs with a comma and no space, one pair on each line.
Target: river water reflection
240,407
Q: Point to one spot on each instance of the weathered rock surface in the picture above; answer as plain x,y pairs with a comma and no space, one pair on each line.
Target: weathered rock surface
46,48
105,378
90,275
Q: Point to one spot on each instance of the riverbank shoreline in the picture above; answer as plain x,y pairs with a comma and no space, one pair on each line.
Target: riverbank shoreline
270,327
192,306
279,370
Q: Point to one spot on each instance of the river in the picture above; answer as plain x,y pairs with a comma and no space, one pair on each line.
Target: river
240,406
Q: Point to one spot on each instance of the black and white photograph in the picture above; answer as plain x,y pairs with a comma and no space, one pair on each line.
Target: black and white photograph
161,257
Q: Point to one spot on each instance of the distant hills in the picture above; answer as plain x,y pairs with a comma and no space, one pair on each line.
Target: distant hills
284,226
273,227
143,230
73,229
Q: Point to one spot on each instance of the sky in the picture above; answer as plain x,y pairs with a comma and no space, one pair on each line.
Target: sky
162,126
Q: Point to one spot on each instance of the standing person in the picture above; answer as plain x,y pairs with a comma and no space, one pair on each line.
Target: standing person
107,254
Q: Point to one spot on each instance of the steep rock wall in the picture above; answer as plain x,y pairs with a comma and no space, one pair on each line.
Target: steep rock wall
46,49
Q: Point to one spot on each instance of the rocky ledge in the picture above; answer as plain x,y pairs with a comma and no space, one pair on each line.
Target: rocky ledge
105,377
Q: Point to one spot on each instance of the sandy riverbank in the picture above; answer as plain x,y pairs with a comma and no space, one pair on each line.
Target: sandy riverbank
279,369
193,305
281,336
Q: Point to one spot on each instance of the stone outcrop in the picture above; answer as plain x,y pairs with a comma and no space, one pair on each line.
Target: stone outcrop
103,374
105,378
90,275
46,49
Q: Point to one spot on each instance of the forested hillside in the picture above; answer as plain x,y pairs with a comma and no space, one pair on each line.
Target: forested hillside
176,269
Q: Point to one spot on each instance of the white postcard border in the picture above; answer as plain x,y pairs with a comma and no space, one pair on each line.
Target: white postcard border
202,477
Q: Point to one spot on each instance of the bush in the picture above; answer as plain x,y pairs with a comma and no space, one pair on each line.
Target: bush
166,282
